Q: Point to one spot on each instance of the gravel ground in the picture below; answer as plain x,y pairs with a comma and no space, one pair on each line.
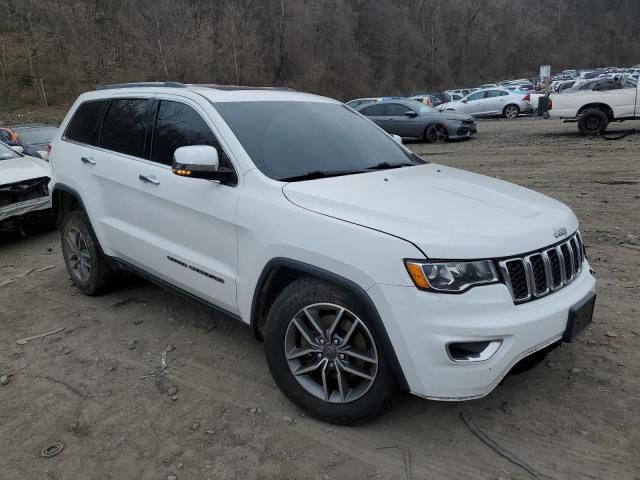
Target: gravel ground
215,413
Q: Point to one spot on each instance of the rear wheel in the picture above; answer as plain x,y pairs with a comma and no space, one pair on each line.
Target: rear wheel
436,133
86,265
511,111
326,355
593,122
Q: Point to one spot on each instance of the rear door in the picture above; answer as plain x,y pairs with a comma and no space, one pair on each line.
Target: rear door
494,102
376,113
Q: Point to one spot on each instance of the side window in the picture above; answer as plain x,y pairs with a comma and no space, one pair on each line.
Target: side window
125,126
396,110
84,125
373,111
475,96
179,125
492,93
503,93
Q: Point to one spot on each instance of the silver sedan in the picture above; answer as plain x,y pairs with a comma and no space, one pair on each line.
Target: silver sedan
492,102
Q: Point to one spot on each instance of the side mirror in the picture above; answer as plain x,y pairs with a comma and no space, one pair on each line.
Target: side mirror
464,100
411,114
17,148
199,161
397,138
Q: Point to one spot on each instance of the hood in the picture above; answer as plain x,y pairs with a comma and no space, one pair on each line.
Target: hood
455,115
446,212
22,168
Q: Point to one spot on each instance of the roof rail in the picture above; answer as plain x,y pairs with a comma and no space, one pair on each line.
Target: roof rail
241,87
141,84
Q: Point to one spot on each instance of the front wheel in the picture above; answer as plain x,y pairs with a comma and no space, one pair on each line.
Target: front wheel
326,355
436,133
511,111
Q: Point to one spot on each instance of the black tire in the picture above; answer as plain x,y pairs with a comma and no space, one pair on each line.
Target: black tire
306,292
511,111
593,122
436,133
99,276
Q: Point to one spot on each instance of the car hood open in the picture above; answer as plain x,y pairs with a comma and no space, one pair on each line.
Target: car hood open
22,168
446,212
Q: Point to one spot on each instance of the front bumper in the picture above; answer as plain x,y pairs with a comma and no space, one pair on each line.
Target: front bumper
22,208
420,325
463,131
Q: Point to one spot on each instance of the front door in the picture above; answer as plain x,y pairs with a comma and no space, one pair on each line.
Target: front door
181,230
474,104
399,123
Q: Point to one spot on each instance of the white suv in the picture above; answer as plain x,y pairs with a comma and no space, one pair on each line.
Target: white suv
365,269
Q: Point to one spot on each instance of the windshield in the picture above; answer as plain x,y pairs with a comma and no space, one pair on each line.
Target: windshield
287,139
31,135
6,152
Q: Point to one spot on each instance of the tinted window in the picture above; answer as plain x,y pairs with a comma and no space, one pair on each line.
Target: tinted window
125,126
396,110
179,125
373,111
492,93
84,125
475,96
289,139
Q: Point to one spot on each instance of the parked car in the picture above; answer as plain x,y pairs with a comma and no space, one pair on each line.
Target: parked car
365,268
492,102
24,193
596,103
412,119
33,137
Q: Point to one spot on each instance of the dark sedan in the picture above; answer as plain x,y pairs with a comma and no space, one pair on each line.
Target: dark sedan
412,119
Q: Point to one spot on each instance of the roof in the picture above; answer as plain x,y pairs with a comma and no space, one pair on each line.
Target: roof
30,125
213,92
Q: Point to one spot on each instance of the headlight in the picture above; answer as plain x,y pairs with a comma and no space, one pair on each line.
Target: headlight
451,276
455,120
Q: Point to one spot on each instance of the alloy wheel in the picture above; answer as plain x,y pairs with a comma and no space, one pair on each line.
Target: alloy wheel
331,353
511,111
79,257
437,133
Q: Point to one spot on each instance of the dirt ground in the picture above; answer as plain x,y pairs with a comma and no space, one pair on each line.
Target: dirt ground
95,386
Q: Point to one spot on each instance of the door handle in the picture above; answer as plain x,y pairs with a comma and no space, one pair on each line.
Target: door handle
88,160
149,179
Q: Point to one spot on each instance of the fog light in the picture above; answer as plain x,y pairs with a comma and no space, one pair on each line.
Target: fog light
473,351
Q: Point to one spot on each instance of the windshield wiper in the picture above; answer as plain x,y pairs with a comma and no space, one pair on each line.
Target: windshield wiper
388,166
315,174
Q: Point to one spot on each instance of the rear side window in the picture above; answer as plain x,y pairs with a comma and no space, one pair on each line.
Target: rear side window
125,126
179,125
373,111
84,125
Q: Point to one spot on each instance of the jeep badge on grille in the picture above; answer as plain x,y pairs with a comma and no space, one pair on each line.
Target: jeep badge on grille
559,232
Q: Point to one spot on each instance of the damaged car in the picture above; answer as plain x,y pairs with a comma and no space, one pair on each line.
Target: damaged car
24,191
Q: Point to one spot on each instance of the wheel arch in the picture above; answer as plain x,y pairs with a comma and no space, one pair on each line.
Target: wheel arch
65,199
597,106
280,272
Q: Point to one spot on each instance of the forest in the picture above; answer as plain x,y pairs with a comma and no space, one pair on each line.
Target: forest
338,48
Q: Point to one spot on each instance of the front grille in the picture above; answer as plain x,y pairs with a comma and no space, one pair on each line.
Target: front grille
22,191
539,273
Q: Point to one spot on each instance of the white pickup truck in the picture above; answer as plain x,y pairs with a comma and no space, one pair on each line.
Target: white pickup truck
593,107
